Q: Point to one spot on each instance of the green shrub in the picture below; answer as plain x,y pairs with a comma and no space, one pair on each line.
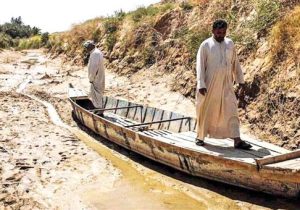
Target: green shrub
142,12
11,32
53,39
181,32
22,45
110,41
193,40
5,40
186,6
16,28
139,14
119,15
148,54
111,25
166,7
96,35
267,14
44,38
30,43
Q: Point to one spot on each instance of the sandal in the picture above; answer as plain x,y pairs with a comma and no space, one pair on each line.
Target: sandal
242,145
199,142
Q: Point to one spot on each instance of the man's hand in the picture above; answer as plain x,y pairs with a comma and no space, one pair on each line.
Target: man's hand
242,85
241,90
203,91
241,96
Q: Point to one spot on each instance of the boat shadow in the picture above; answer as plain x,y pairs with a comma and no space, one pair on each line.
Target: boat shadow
229,191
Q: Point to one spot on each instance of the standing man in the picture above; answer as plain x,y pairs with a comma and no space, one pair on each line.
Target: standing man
96,73
217,69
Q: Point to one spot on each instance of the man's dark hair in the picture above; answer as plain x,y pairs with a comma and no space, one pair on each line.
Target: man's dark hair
219,24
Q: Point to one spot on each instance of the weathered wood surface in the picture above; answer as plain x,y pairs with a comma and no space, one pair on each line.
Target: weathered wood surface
172,143
280,158
293,164
116,108
75,93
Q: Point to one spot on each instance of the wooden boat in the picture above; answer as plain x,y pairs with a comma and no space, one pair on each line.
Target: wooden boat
168,137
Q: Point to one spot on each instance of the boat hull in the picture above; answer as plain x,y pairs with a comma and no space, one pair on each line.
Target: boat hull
273,181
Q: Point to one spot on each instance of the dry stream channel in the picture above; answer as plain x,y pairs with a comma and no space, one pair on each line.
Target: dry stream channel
50,162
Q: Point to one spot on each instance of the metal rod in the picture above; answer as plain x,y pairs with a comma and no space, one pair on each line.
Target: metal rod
117,106
125,107
141,115
129,104
160,121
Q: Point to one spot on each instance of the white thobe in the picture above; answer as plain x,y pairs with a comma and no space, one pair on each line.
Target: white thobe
96,77
217,68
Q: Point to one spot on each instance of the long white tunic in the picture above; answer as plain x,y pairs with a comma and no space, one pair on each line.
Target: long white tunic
96,77
217,68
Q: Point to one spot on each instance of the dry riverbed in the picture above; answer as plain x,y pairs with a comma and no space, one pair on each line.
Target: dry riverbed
45,166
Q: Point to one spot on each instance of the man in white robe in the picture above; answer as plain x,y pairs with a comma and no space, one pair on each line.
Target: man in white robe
96,74
216,104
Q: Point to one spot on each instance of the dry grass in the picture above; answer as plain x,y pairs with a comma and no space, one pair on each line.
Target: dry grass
200,2
285,37
79,33
70,42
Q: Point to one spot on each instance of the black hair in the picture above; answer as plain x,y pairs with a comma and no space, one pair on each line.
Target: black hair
219,24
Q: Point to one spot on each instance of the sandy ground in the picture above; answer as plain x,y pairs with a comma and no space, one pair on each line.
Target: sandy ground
45,166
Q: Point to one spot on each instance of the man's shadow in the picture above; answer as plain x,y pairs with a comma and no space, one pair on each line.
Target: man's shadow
231,152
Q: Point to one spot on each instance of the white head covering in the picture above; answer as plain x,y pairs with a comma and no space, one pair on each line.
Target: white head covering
88,43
